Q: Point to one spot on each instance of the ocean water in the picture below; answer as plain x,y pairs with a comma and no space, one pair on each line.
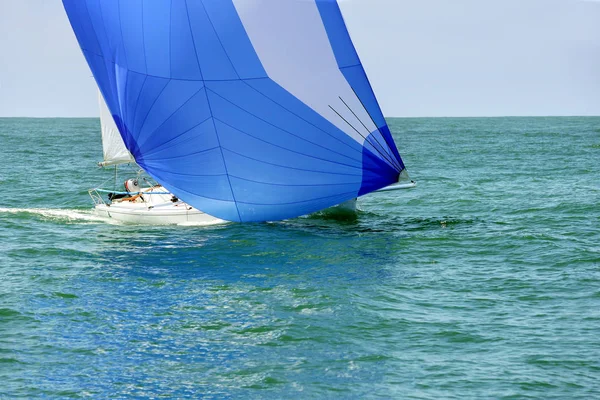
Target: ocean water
481,283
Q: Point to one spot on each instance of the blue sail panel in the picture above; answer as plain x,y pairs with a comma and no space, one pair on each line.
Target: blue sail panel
132,33
247,110
182,45
263,212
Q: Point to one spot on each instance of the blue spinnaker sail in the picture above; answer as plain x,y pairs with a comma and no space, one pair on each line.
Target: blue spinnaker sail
249,110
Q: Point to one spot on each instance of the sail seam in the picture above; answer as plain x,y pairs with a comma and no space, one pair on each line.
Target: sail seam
219,39
144,41
184,174
170,38
288,167
173,79
285,148
137,104
160,147
284,130
172,114
303,185
362,168
186,155
121,32
302,201
303,119
208,102
150,109
187,12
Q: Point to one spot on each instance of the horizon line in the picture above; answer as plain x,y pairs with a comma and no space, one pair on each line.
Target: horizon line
395,117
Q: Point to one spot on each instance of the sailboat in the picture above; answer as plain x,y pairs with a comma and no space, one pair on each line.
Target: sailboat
145,203
249,110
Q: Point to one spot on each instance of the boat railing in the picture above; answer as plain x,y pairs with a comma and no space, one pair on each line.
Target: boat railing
96,197
96,194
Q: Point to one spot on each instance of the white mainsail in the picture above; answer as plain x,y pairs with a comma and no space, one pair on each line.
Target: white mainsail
113,147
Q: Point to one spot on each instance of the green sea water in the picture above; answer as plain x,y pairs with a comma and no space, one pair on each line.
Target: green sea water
481,283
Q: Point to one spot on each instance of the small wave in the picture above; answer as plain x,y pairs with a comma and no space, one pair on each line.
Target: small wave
203,223
57,214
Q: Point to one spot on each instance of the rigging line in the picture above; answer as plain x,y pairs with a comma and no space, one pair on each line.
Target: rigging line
110,178
361,135
178,189
395,164
373,120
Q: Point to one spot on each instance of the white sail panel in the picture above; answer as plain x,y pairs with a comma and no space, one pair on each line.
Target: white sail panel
113,147
304,64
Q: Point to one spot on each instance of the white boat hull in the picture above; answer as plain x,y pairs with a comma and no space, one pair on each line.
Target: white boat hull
151,206
168,214
139,214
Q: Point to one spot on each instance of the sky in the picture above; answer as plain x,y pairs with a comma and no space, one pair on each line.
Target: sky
423,57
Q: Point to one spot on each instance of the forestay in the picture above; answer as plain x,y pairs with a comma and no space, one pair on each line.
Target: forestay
113,148
250,110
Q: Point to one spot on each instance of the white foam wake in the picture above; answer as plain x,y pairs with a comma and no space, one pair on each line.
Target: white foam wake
203,223
58,213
